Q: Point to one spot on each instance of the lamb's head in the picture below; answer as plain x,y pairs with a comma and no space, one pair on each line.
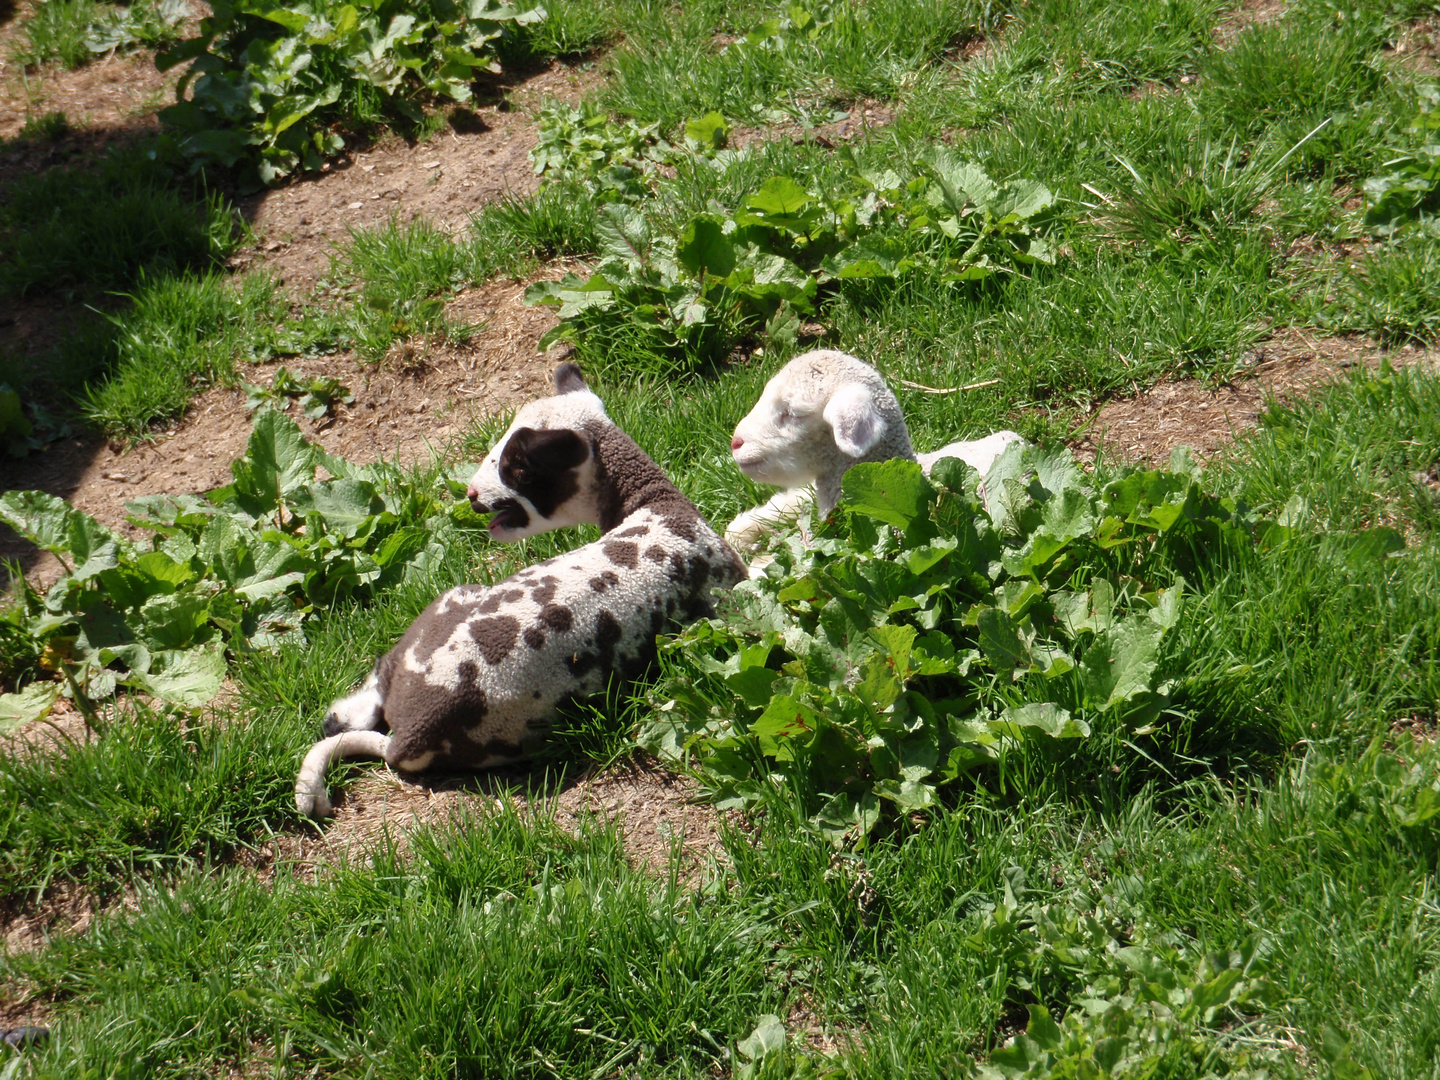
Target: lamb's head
821,413
541,474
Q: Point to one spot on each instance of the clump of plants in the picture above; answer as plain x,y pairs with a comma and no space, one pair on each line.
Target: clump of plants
774,261
934,625
317,396
241,568
1409,193
276,85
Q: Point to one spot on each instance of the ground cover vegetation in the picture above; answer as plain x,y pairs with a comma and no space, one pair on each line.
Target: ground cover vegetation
1085,774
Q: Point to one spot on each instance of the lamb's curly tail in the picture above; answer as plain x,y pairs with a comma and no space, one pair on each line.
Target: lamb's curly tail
311,797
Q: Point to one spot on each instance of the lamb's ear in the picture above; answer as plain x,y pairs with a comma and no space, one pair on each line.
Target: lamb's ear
852,415
568,379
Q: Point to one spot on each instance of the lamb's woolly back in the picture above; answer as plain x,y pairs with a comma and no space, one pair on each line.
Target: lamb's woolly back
476,680
819,415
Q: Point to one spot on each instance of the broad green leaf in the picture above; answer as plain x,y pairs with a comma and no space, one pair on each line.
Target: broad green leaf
962,183
955,474
624,234
1044,715
780,196
32,703
895,492
163,573
704,250
784,718
1022,198
172,621
277,462
1042,1030
41,518
1001,643
908,795
753,685
93,547
189,677
1120,663
709,132
847,816
767,1038
345,505
896,642
1373,545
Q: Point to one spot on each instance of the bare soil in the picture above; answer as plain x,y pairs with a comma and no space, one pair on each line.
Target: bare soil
655,810
481,156
1247,14
1148,426
420,401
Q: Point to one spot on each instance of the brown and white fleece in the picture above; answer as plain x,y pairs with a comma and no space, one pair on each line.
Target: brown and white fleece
477,679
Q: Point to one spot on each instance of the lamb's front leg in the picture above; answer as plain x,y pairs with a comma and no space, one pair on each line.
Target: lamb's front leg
782,509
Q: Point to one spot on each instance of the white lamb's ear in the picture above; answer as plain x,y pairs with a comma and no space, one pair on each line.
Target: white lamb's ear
852,415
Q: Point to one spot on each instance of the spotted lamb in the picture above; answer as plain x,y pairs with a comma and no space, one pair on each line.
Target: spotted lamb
820,414
476,680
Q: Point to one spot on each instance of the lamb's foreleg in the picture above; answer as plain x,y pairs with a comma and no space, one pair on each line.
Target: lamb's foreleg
782,509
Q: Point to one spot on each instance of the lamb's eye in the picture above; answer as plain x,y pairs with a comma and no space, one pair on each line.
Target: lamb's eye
782,416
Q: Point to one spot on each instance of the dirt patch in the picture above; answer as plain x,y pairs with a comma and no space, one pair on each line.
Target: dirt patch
1418,46
1249,13
66,909
419,401
111,93
656,812
482,155
1148,426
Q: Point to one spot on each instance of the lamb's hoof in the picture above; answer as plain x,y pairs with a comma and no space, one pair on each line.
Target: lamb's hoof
21,1037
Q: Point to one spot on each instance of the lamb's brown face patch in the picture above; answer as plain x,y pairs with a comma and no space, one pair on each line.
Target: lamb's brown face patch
557,618
541,466
495,637
622,553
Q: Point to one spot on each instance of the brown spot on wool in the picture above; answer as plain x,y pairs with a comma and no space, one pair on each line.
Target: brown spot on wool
495,637
622,553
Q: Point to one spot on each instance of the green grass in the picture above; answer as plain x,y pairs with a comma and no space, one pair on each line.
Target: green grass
1202,209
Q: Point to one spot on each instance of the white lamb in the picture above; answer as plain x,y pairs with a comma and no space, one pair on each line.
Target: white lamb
820,414
476,680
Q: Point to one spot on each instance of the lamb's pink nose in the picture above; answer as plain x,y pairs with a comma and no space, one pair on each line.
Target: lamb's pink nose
736,443
471,493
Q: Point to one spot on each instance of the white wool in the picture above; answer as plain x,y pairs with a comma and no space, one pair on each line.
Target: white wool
820,414
477,678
